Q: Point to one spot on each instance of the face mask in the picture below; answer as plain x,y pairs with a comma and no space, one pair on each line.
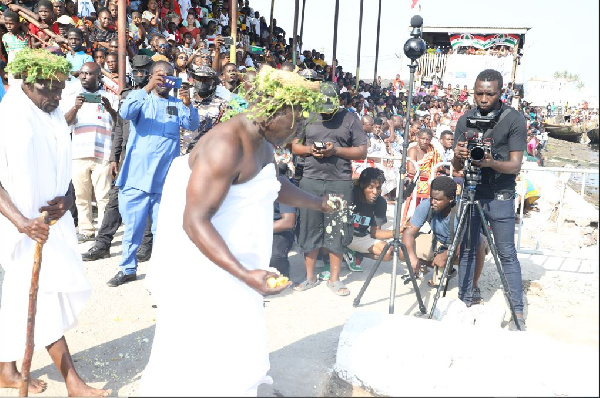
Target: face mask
140,80
204,89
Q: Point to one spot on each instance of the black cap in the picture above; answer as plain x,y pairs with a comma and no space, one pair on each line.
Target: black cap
329,90
198,71
140,61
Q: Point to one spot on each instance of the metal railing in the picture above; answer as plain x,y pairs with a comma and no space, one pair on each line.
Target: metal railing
564,176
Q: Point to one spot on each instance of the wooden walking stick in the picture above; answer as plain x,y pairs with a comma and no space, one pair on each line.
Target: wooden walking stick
33,291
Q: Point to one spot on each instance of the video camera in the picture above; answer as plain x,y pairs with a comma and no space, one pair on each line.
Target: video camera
476,144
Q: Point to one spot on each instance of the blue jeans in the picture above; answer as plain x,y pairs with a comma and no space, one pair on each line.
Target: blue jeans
135,207
501,216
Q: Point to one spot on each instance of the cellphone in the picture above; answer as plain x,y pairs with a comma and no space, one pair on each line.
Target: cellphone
92,98
172,82
319,145
227,40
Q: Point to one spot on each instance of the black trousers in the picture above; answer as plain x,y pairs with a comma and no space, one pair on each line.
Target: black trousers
282,243
112,221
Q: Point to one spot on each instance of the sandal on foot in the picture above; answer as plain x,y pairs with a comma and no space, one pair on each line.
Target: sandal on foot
306,285
430,283
337,287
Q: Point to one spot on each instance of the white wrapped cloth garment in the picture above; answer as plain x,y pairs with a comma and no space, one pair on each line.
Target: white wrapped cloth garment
210,335
35,167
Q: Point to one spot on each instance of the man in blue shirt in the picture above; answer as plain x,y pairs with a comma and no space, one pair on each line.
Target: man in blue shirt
156,118
444,223
77,57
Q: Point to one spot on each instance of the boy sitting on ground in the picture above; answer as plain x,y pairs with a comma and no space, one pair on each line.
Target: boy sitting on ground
369,216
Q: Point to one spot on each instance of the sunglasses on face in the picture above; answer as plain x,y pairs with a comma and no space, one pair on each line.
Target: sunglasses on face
182,57
163,46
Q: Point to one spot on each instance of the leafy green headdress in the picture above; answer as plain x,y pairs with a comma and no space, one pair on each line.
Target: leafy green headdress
273,89
39,64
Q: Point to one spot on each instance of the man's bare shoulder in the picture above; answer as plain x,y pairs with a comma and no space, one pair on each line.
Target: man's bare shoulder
222,143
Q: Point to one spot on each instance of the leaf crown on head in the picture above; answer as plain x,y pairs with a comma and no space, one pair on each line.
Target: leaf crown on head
273,89
39,64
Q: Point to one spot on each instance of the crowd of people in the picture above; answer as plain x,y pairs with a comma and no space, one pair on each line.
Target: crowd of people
494,50
195,136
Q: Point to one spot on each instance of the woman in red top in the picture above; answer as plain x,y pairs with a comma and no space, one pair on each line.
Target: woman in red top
191,25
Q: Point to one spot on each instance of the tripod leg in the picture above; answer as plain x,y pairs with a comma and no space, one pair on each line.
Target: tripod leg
486,231
468,218
451,253
413,279
393,282
356,301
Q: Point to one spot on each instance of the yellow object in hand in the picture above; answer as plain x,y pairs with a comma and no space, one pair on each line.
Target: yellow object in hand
273,282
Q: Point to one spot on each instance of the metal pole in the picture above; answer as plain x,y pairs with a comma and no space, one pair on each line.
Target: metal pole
302,25
122,40
271,19
233,11
360,19
294,39
335,26
377,44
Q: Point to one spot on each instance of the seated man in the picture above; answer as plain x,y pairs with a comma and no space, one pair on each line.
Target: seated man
441,213
369,215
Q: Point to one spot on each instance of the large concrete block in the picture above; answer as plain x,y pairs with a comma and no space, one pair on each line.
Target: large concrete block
400,355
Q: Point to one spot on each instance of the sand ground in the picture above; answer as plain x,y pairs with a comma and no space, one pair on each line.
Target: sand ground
112,341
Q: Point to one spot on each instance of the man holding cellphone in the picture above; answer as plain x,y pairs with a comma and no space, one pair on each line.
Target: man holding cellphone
328,145
91,114
156,119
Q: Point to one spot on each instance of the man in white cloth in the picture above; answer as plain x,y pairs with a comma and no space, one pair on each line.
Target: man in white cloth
213,246
35,176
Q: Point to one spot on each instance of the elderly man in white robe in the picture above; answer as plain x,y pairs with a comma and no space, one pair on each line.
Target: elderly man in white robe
35,176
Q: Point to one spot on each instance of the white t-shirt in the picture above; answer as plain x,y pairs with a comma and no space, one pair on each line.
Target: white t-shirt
92,128
184,6
224,20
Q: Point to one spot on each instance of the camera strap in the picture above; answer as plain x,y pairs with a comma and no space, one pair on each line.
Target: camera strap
490,132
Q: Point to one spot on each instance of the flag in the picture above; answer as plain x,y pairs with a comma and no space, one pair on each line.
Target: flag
414,3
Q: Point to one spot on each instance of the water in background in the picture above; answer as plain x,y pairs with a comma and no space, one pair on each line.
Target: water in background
591,180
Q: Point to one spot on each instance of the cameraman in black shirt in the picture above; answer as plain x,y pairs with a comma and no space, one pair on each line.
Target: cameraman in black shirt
496,190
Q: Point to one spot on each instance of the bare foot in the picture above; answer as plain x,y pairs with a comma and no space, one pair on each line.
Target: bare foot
13,380
83,390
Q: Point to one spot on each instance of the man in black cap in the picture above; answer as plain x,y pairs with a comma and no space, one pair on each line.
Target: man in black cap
328,145
210,106
112,218
308,74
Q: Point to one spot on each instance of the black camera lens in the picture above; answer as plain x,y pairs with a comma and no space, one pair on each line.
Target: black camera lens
477,153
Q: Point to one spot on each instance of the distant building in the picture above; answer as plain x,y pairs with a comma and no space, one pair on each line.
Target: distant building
543,91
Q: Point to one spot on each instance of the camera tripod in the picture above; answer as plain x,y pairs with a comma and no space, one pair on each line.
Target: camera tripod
413,48
468,205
